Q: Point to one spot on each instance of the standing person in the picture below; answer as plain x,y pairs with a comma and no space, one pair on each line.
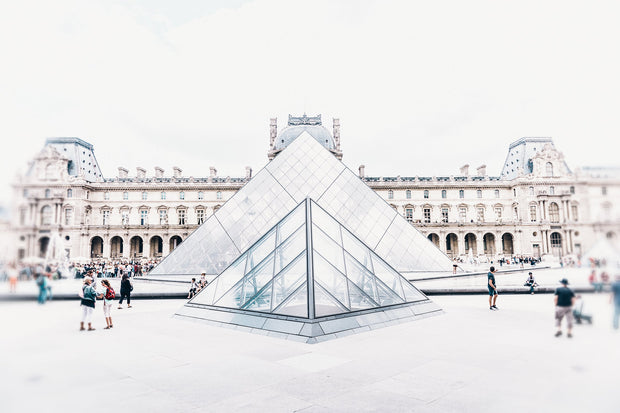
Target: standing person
42,283
492,289
88,303
126,288
13,275
564,300
108,298
615,296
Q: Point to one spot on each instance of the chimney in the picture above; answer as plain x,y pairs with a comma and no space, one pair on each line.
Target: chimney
122,172
140,172
176,172
465,170
159,172
248,172
337,133
212,172
273,131
361,169
482,170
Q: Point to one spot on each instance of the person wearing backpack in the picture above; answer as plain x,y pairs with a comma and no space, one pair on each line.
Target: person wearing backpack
108,298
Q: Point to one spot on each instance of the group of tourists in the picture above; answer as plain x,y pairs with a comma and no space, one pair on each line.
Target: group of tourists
564,300
90,293
196,286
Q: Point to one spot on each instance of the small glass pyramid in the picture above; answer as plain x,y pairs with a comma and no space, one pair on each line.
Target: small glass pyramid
308,266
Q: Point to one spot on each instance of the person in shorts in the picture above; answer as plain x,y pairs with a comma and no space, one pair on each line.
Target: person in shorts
564,300
492,286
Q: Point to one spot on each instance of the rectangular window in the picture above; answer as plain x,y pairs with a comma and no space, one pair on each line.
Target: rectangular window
144,217
144,196
69,216
604,190
444,214
409,214
181,213
163,217
462,214
200,214
461,193
201,195
106,195
125,195
163,196
532,213
22,216
498,213
106,217
531,191
427,215
497,193
574,212
480,214
479,193
181,195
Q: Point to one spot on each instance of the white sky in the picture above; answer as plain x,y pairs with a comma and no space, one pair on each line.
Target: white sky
421,87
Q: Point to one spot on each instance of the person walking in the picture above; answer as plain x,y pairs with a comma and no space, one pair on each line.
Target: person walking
126,288
615,297
564,300
13,275
88,303
108,298
492,286
42,283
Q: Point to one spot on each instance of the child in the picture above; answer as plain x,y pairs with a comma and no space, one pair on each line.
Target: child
192,289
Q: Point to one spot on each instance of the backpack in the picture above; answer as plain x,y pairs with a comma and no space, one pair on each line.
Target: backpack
110,294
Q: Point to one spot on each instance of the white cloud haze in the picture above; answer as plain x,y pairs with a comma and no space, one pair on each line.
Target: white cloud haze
421,88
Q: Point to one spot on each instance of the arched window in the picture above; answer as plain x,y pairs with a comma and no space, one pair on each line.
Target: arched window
551,190
531,191
479,193
461,193
549,169
556,240
444,194
426,194
46,215
496,193
554,212
390,194
69,193
408,194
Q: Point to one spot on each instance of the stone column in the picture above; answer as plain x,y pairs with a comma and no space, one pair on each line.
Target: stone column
107,248
166,247
498,244
480,243
442,242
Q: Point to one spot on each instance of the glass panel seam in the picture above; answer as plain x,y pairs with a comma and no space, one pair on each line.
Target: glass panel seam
325,291
289,298
282,186
309,262
334,180
385,232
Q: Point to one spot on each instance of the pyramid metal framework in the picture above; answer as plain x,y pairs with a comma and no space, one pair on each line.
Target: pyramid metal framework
309,279
304,169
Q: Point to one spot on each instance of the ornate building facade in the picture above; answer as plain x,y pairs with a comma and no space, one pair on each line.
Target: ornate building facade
536,206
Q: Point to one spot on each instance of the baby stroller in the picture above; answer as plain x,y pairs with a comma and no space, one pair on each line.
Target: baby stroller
579,315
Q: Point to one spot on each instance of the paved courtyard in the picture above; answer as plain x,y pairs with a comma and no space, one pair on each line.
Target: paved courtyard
468,359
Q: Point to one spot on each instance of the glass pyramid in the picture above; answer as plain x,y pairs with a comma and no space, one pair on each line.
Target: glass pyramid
305,169
308,266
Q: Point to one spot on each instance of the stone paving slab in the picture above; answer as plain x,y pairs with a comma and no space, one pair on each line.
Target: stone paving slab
151,361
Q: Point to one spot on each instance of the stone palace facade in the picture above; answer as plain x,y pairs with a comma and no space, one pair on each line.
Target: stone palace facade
536,206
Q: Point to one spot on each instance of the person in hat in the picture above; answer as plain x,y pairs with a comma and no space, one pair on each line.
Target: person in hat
492,286
564,300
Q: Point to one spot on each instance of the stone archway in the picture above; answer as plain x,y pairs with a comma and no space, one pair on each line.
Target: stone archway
471,243
116,247
157,246
174,242
96,247
434,238
452,245
507,244
556,244
44,243
489,244
136,247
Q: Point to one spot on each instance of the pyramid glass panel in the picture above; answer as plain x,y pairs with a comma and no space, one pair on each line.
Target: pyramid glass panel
229,278
296,305
354,247
360,300
291,223
233,298
325,246
261,302
331,279
363,278
321,219
290,249
289,279
257,279
259,251
388,276
325,304
387,296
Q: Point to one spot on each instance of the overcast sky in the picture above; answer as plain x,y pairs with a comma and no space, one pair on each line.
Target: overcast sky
421,87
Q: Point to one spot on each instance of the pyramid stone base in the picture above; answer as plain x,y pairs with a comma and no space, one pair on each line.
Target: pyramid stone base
306,330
